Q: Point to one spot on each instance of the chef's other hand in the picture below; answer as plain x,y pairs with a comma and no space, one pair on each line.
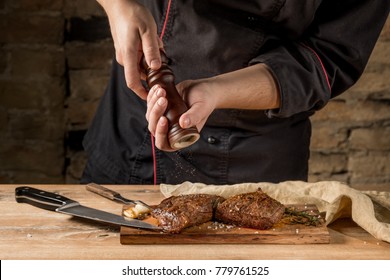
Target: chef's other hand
157,123
200,104
134,32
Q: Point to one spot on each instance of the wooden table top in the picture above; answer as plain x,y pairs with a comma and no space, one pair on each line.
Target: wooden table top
27,232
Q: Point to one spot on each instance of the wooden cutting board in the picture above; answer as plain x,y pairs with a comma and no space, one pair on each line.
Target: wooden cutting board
284,232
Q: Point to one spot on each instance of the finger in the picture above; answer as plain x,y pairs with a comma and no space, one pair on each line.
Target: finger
161,135
151,49
118,53
161,47
118,57
132,74
156,112
160,43
129,56
154,94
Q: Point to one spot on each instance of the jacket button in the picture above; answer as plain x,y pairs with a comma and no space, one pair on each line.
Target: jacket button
211,140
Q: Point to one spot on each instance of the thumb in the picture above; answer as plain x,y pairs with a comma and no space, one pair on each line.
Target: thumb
196,116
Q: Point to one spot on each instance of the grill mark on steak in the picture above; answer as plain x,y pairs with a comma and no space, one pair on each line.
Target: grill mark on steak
253,210
178,212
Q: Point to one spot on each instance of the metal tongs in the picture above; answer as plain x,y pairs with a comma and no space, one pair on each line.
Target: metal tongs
113,195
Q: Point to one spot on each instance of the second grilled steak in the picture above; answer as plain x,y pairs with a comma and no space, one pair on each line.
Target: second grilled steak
253,210
178,212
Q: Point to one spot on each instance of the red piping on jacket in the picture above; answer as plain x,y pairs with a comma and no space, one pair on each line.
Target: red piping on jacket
151,136
166,19
322,65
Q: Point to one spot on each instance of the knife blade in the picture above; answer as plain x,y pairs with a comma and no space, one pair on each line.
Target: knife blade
58,203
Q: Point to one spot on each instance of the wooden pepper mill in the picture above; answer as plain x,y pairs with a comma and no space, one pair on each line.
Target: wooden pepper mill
178,137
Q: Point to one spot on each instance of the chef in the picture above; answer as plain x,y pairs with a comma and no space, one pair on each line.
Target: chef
251,72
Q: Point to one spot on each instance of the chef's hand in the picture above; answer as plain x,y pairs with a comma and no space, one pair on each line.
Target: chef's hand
198,99
250,88
134,32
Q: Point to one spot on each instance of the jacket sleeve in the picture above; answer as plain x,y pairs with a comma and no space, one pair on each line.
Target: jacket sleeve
328,58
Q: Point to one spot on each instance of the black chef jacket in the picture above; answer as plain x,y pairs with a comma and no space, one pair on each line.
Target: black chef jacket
316,49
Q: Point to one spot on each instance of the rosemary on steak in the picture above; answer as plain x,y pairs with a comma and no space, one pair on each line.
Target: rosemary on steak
293,216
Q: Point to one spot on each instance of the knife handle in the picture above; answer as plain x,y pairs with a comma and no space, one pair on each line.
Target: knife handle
39,198
107,193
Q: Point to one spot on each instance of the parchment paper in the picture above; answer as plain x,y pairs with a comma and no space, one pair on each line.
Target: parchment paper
369,209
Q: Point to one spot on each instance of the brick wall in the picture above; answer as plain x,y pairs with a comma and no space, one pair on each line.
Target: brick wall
89,51
32,91
55,59
351,135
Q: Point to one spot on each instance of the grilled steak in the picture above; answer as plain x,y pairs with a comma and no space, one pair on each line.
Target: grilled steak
178,212
252,210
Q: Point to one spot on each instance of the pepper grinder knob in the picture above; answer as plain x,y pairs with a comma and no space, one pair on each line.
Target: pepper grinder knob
178,137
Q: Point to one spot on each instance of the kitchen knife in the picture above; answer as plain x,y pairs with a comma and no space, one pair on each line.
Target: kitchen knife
58,203
113,195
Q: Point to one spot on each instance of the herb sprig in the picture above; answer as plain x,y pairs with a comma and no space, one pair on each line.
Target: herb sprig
301,217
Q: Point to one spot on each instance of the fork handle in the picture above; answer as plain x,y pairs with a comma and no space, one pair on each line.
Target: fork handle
107,193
